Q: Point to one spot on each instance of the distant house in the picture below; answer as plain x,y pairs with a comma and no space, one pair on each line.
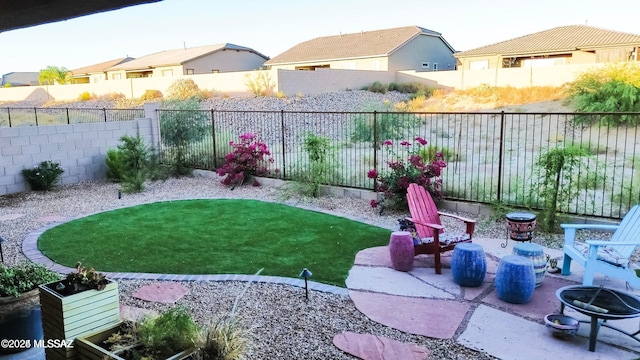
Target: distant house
190,61
20,79
573,44
95,73
404,48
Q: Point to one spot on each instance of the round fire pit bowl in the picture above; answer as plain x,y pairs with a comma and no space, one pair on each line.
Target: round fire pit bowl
561,326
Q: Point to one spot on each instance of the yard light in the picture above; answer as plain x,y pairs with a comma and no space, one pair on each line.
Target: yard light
306,274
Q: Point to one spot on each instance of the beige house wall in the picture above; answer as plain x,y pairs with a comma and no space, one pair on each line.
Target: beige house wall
232,83
516,77
292,82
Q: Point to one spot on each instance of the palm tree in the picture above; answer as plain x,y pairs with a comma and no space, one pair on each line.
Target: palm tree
54,74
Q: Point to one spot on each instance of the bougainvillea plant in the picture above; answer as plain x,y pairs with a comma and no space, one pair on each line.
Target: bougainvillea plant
249,157
405,167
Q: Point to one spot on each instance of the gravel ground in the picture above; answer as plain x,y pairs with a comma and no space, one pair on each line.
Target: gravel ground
282,324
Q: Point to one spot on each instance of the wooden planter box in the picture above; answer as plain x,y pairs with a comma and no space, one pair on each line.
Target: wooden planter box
72,316
88,347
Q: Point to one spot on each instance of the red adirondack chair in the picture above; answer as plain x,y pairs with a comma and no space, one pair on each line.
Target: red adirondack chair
426,217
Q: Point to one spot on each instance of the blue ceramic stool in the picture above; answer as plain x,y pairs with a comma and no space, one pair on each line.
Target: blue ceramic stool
515,279
468,264
536,254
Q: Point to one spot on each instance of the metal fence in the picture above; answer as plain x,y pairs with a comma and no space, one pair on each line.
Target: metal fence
13,117
490,156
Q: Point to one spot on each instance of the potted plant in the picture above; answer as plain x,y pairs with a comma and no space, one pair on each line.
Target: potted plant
171,335
83,303
20,303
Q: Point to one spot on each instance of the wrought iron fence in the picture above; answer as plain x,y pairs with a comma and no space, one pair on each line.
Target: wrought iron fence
13,117
491,157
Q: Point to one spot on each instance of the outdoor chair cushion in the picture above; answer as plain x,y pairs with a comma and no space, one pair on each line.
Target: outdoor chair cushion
445,239
605,254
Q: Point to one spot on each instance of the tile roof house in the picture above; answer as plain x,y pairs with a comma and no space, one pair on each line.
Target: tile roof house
404,48
190,61
573,44
95,73
20,79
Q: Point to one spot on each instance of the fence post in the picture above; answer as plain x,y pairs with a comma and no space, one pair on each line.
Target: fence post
500,152
68,120
9,116
375,148
104,111
213,137
35,114
284,164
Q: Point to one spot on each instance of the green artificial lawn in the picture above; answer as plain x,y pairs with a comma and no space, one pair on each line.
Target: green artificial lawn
222,236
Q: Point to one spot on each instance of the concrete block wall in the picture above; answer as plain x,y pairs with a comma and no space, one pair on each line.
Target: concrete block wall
79,148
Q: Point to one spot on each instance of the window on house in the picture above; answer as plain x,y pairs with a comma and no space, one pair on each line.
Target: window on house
215,71
425,65
167,73
190,72
435,67
116,76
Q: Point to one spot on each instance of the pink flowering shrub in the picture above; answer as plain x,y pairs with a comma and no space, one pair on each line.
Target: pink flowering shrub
405,168
246,159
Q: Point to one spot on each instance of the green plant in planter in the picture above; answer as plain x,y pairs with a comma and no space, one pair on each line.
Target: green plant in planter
19,302
82,279
23,277
157,337
44,176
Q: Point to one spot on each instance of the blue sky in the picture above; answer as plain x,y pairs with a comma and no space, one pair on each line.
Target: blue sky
271,27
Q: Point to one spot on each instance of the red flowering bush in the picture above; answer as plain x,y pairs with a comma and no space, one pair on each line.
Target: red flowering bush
246,159
406,168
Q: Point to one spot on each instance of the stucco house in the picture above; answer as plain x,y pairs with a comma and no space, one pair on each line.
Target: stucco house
404,48
20,79
573,44
190,61
95,73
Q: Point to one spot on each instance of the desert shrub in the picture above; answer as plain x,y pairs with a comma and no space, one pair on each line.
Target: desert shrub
86,96
613,88
590,180
377,87
169,333
7,85
250,157
557,168
260,84
320,168
183,89
114,165
629,195
135,161
405,167
414,88
185,124
389,125
431,152
590,147
44,176
150,95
